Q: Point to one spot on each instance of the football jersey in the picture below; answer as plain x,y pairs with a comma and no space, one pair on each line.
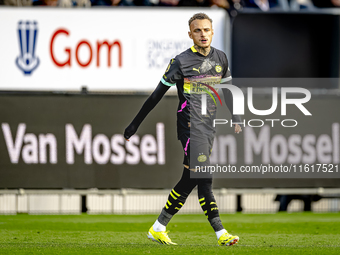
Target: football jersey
195,75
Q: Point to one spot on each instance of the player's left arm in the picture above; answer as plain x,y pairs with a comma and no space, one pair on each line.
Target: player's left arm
228,98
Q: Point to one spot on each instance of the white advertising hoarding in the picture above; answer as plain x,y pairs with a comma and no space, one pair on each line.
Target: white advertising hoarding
103,49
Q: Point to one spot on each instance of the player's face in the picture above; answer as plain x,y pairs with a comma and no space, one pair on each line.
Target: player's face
201,32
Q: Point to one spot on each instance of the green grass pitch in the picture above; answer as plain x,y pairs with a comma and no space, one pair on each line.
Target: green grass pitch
282,233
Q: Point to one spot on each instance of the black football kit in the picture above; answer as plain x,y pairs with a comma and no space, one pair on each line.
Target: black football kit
195,77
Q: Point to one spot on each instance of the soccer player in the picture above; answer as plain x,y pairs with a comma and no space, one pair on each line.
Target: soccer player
194,72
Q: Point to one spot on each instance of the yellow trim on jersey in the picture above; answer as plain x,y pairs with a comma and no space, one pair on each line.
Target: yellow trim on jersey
186,88
193,49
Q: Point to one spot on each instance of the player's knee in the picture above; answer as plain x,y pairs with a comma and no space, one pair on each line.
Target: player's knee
206,182
204,187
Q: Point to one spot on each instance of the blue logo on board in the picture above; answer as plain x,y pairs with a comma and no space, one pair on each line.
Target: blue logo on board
27,32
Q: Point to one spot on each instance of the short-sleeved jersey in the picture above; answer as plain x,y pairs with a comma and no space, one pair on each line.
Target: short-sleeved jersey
194,75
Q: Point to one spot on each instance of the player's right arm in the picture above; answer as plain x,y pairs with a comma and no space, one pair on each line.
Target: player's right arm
172,73
149,104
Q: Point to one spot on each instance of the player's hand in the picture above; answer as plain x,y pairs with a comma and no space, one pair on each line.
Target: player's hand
129,131
238,128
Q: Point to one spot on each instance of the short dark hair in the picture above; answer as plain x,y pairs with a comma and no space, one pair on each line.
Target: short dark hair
200,15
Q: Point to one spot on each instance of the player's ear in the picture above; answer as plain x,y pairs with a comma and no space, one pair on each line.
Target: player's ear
190,35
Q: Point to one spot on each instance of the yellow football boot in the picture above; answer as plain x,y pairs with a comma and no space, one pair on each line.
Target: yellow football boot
160,237
227,240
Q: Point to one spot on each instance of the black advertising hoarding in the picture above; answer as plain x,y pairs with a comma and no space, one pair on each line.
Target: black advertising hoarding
286,45
75,141
284,149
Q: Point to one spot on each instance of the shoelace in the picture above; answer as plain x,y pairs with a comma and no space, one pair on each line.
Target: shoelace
226,234
166,234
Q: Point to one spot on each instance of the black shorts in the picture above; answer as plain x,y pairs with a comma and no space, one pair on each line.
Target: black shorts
197,150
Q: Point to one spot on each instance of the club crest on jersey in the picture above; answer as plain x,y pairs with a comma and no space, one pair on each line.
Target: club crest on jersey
202,158
218,68
27,60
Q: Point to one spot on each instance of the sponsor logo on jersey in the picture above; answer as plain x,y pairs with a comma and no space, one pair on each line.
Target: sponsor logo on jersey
207,65
27,61
198,70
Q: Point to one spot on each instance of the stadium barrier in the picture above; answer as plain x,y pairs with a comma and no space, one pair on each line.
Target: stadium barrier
136,201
